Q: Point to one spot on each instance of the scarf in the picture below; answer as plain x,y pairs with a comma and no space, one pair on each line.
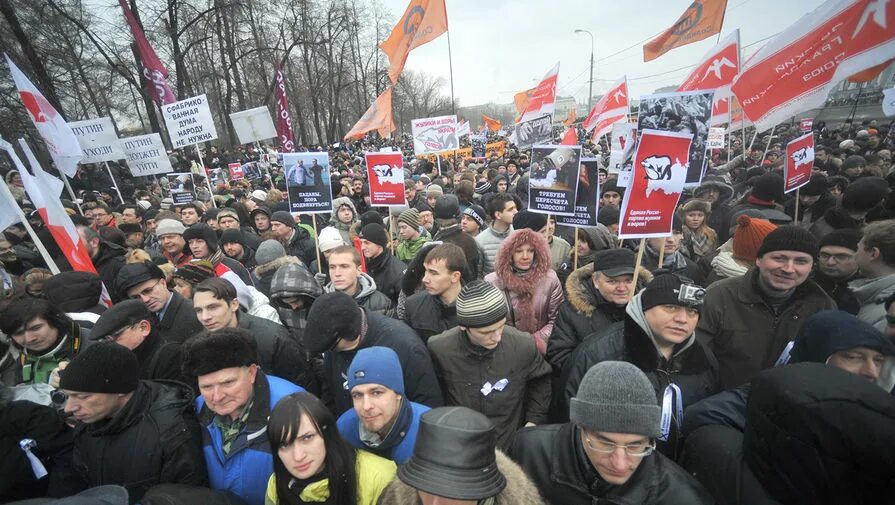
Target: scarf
726,266
230,429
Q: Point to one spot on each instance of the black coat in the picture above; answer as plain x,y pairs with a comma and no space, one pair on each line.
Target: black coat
154,439
180,321
420,383
159,360
302,246
428,315
694,369
553,458
278,353
108,261
387,271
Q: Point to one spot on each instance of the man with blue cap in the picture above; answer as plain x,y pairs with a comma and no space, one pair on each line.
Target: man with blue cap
383,421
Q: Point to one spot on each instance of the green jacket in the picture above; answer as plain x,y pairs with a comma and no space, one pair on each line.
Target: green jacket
407,249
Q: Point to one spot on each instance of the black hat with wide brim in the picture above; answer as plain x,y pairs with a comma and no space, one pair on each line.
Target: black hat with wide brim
454,456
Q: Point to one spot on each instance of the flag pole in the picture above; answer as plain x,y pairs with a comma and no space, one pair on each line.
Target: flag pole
768,145
33,160
637,265
114,184
317,242
795,215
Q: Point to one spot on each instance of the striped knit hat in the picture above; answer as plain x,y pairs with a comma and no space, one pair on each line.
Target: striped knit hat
480,304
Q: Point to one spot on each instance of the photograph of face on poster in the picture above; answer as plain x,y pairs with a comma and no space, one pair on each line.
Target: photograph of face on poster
687,112
308,182
181,187
553,179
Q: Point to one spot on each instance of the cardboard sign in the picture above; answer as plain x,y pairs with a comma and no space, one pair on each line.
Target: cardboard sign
587,203
253,125
621,146
799,162
98,140
715,138
657,181
236,172
535,131
806,125
146,155
308,182
553,179
182,187
189,121
385,171
434,134
688,112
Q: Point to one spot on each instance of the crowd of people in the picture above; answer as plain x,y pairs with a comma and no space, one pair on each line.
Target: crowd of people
462,349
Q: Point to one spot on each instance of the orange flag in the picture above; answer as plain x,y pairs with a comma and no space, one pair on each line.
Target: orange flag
422,22
492,123
700,21
521,99
571,118
378,117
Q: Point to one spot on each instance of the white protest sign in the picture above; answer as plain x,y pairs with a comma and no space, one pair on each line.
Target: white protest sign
434,134
715,139
98,140
621,145
253,125
145,155
189,121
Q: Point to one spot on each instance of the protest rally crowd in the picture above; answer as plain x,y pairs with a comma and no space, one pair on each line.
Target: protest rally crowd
466,325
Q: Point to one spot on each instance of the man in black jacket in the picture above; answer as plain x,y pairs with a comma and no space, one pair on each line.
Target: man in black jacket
217,307
338,328
607,453
384,268
108,258
146,282
435,310
131,325
129,432
297,241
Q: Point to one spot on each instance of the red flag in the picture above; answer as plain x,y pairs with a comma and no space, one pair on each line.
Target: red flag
378,117
284,121
422,22
570,138
612,108
796,70
493,124
543,99
799,162
716,70
700,21
153,70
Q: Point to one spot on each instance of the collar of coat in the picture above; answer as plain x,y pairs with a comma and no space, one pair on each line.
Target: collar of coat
260,408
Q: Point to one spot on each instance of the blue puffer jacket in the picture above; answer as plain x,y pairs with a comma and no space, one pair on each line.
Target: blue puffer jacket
398,445
245,471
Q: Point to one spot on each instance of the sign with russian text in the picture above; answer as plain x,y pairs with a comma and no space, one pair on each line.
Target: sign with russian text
587,201
715,139
553,179
799,162
385,171
308,182
434,134
189,121
98,140
146,155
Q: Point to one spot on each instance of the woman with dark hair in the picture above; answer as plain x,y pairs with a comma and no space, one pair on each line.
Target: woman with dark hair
44,335
314,464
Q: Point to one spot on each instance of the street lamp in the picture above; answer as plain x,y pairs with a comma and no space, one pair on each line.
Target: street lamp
590,88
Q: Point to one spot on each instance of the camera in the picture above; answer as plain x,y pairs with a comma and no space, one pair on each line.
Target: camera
691,294
58,397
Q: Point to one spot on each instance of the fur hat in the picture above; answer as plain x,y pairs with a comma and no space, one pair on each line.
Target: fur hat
695,204
209,352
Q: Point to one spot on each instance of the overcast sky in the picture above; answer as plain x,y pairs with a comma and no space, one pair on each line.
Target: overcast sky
501,47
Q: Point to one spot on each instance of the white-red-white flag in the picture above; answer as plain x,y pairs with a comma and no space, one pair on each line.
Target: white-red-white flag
796,70
716,71
612,108
570,137
61,141
543,99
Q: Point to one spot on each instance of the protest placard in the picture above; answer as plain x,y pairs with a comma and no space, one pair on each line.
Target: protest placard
146,155
98,140
385,171
587,202
535,131
181,187
189,121
806,125
621,146
715,138
799,162
659,175
434,134
553,179
308,182
253,125
685,112
498,149
236,172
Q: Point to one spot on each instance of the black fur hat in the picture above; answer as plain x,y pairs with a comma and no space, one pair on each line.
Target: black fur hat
209,352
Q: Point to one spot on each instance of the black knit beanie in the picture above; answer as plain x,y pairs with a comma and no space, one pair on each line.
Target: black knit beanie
845,237
789,238
375,233
102,368
768,187
231,236
664,289
332,316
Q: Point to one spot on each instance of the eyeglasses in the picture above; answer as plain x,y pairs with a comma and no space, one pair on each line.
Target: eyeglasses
890,320
145,292
638,450
839,258
111,337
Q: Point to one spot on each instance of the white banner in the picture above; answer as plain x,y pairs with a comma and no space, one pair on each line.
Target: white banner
715,139
98,140
463,129
189,121
435,134
146,155
621,145
253,125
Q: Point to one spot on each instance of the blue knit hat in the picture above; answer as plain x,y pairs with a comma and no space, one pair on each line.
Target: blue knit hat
376,365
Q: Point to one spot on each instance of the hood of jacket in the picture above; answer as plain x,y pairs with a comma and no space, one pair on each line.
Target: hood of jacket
601,237
294,279
634,311
584,297
503,264
274,265
725,191
338,202
870,291
819,435
366,286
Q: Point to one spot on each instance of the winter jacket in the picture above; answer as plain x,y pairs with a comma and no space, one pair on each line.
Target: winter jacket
294,279
428,315
398,444
583,312
553,457
407,249
559,251
259,306
518,491
677,263
108,261
489,240
159,360
387,271
471,376
248,258
808,216
373,475
278,353
154,439
301,245
692,367
368,297
534,296
420,383
871,295
836,218
839,290
263,274
247,468
743,331
36,369
475,256
179,322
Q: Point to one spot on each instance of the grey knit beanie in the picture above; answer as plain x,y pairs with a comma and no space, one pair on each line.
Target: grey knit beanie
268,251
616,397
